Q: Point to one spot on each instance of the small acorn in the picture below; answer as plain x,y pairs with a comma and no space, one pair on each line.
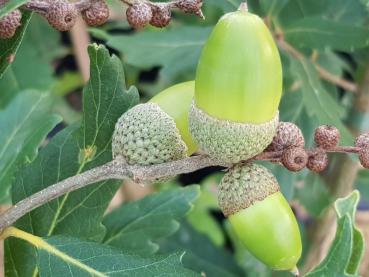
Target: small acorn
156,132
295,158
162,15
238,87
288,135
9,24
364,157
318,162
260,216
97,14
362,141
327,137
61,14
139,15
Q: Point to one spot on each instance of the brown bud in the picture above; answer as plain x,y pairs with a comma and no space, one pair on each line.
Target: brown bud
139,15
318,162
62,15
161,16
327,137
97,14
294,158
364,157
190,6
9,24
287,135
362,141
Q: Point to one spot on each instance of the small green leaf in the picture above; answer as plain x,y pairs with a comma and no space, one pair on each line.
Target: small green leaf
63,256
79,213
346,251
9,47
24,124
137,225
10,6
320,33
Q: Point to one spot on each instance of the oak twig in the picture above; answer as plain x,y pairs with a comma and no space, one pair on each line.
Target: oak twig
323,73
119,169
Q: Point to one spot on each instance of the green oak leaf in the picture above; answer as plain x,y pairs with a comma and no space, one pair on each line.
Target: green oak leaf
72,151
136,226
65,256
24,124
10,6
9,47
346,251
321,33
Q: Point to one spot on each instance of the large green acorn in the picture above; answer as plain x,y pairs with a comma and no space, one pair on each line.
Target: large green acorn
157,131
238,88
260,216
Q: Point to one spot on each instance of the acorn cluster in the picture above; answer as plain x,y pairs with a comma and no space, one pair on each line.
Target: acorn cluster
290,142
62,14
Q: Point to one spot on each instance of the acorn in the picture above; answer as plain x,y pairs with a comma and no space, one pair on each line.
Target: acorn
97,14
238,88
9,24
261,217
364,157
294,158
139,15
327,137
61,14
161,15
156,132
318,162
362,140
287,135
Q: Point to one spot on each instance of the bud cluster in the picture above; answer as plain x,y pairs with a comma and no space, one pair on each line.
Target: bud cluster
63,14
288,147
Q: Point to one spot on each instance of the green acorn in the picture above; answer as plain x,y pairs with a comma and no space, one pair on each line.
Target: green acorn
238,89
156,132
260,216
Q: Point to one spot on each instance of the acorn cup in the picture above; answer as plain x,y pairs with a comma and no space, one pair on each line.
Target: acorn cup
238,88
156,132
260,216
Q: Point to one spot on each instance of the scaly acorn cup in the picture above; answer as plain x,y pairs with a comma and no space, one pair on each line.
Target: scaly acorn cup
238,88
260,216
156,132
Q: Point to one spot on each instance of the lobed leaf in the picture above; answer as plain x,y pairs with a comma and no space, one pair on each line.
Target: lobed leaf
72,151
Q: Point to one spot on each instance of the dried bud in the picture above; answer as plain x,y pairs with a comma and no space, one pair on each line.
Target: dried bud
327,137
287,135
362,141
9,24
62,15
139,15
190,6
97,14
294,158
364,157
161,16
318,162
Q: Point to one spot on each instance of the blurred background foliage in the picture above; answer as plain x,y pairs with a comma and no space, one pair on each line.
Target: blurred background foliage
332,35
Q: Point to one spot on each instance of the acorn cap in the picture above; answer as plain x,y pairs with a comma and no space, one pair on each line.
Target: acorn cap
243,185
139,15
9,24
146,135
228,141
62,15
